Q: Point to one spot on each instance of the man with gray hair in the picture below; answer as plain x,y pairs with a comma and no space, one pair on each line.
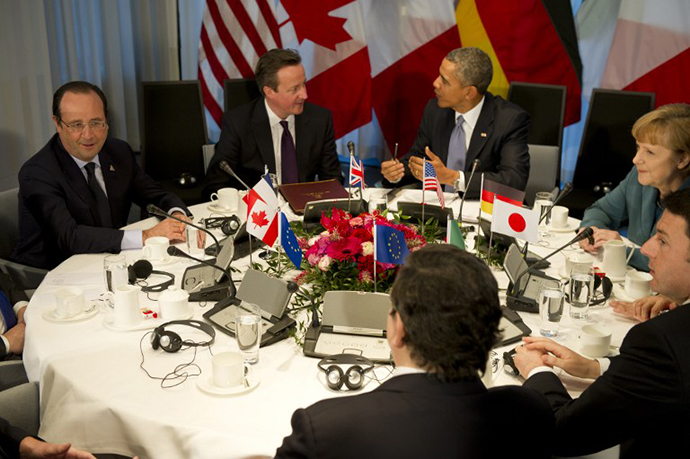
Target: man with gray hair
464,123
281,130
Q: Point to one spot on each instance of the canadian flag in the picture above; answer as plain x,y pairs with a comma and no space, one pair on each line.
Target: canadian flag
515,221
262,211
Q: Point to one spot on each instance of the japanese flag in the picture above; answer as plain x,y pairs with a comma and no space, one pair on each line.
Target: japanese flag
515,221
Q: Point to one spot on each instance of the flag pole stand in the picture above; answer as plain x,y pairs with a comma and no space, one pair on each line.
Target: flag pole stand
375,248
491,240
251,260
423,195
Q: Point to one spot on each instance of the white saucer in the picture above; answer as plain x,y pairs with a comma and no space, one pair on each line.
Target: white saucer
206,385
613,351
570,227
166,262
52,316
221,209
620,293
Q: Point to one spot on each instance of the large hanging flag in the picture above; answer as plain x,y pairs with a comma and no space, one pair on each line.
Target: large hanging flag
492,191
515,221
389,245
356,172
431,183
454,234
262,211
288,241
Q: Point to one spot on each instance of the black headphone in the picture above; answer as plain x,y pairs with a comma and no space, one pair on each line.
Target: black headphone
606,290
353,378
142,269
229,225
170,341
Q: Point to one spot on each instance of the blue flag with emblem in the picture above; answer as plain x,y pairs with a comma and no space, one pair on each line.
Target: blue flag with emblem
289,242
390,245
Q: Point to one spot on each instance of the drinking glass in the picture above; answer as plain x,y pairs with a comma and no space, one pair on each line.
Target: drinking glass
193,248
543,201
115,270
379,203
581,290
248,331
551,301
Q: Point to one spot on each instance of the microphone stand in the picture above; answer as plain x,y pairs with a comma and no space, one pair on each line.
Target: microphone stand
225,167
158,212
475,164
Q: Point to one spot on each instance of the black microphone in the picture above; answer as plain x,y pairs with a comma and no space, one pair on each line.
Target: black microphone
542,264
175,252
567,188
351,147
475,165
228,170
158,212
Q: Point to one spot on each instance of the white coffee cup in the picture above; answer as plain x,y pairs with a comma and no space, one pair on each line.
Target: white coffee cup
559,217
174,303
127,313
156,248
637,284
615,260
226,198
228,369
595,340
69,302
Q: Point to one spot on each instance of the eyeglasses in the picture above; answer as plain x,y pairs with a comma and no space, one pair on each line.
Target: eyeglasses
79,126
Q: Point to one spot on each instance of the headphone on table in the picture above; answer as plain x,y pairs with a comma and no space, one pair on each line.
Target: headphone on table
169,341
352,378
141,270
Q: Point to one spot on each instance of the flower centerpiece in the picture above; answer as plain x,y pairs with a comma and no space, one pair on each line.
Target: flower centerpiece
342,256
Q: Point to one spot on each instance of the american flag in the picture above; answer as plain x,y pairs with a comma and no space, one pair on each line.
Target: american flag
431,182
234,34
356,173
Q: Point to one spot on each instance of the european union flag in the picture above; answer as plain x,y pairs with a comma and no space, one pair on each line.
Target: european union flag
289,242
390,245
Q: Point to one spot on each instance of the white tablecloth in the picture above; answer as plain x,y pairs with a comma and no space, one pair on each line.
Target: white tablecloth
95,395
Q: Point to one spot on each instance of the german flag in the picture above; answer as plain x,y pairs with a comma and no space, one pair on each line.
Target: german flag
531,41
493,190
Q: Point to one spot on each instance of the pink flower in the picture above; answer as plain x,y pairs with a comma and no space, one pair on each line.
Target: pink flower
367,248
325,263
365,277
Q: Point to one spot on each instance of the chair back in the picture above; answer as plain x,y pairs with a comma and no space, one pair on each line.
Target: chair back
543,170
9,221
239,91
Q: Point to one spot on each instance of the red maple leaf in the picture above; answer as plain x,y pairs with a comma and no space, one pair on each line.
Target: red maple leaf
259,218
312,21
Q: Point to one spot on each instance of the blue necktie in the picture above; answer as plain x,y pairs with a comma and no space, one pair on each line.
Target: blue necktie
288,156
7,311
457,151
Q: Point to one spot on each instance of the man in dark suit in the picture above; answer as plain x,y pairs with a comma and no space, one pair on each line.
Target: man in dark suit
13,302
16,443
642,400
281,131
465,123
440,333
76,191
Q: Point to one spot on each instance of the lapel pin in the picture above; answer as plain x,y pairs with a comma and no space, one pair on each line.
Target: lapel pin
482,134
112,169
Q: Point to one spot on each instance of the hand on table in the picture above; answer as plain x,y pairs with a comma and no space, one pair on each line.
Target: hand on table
172,229
393,170
644,308
15,336
600,237
553,354
200,235
30,448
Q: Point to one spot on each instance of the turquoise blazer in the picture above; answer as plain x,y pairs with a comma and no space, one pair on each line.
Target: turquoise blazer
629,204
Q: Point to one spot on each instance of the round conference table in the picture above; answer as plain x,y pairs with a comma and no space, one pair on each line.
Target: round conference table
95,394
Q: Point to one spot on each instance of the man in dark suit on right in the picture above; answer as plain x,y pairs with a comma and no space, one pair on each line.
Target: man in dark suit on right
642,400
464,123
440,333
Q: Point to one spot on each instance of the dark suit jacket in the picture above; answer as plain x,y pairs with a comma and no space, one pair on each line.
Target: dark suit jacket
499,140
57,212
417,416
642,400
246,144
10,437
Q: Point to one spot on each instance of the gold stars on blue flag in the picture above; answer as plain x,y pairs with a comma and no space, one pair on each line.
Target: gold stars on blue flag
289,242
390,245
